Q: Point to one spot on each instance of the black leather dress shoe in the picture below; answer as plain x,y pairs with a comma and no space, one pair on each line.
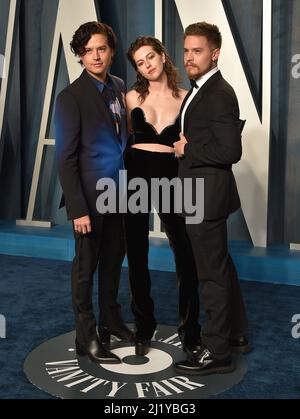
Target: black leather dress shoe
96,352
240,345
142,347
204,364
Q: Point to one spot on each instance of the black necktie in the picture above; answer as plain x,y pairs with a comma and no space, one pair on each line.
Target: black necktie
194,84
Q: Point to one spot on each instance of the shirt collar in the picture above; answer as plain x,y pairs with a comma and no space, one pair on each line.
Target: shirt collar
203,79
100,85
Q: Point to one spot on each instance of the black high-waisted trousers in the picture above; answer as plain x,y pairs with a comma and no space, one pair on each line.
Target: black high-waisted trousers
149,165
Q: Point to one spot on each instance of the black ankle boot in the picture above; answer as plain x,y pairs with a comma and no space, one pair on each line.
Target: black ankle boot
104,337
96,352
122,332
142,347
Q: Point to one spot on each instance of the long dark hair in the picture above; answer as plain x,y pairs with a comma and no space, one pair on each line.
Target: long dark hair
142,84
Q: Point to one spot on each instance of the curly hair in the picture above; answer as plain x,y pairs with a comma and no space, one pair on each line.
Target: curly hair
142,84
84,34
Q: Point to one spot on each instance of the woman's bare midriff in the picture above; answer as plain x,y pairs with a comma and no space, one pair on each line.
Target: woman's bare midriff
158,148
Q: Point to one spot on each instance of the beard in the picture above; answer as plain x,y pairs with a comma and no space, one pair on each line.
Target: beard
195,72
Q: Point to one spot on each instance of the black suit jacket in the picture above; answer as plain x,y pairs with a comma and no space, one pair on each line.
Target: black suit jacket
87,145
213,130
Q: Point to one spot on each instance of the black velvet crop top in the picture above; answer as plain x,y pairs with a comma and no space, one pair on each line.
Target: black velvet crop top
144,132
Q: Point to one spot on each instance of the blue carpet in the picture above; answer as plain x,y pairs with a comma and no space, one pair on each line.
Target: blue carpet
35,299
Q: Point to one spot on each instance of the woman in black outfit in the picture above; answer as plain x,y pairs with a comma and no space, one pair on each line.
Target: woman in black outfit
153,112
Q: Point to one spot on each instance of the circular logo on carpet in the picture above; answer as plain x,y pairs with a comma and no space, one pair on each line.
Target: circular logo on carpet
55,368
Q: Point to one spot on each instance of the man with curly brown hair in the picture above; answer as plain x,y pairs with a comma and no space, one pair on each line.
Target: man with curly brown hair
91,136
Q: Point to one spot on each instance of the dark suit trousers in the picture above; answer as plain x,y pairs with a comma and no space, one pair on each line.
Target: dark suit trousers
104,246
223,302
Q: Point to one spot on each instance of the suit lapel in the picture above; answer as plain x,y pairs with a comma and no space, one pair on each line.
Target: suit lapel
104,113
199,96
93,92
183,105
185,100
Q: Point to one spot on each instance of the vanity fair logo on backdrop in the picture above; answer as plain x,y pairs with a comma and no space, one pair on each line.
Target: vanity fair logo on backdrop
252,172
